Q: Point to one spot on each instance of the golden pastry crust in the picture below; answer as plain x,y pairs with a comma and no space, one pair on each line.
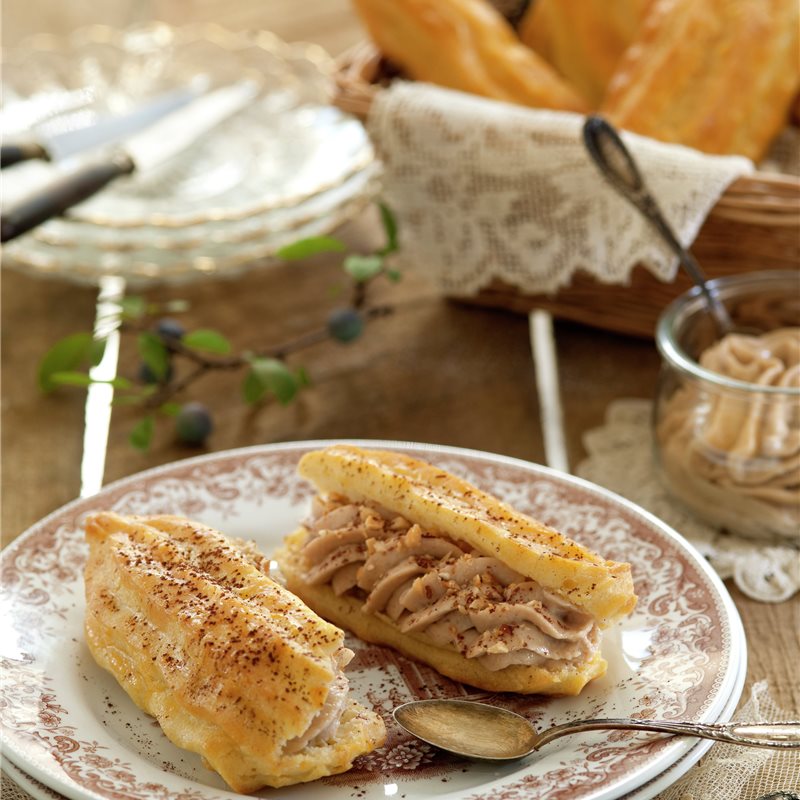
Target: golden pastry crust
405,554
465,45
583,39
346,611
716,75
441,502
231,664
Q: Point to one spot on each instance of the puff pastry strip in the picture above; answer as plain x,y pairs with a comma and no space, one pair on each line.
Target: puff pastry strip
403,553
583,39
231,664
465,45
716,75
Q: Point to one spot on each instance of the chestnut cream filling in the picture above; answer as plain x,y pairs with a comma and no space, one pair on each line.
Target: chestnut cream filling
441,589
325,724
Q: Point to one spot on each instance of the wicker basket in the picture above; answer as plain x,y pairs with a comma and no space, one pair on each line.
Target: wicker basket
755,225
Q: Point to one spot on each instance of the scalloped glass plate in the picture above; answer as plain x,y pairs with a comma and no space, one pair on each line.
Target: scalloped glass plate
167,256
287,146
142,241
67,723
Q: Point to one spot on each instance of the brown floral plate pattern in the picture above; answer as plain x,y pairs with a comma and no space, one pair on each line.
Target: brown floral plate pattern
66,722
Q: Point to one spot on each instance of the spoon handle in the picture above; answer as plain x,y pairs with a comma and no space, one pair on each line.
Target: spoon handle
784,735
609,153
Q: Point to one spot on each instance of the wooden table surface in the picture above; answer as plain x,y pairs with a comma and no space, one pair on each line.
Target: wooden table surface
435,371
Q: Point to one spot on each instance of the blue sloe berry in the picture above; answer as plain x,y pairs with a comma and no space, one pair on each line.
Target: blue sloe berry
345,324
170,329
193,424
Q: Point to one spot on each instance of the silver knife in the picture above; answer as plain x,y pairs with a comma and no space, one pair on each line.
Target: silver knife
139,153
60,137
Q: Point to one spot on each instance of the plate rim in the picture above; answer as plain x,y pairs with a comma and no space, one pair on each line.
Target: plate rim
671,754
193,267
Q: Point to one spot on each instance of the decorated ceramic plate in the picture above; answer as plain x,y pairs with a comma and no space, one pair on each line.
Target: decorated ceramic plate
646,791
67,724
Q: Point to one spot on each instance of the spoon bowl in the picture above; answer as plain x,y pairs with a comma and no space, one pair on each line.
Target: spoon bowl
487,733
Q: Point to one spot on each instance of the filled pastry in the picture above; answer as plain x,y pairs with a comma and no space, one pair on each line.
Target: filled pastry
465,45
716,75
231,664
404,554
583,39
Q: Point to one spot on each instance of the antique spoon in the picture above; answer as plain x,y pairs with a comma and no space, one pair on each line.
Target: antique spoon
609,153
488,733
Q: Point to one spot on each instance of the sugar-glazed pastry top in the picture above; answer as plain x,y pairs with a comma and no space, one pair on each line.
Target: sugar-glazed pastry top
716,75
583,39
465,45
440,501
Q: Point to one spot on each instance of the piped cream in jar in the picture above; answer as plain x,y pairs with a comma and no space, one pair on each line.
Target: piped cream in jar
727,412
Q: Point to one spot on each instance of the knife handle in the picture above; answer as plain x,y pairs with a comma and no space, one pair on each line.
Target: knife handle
21,151
56,198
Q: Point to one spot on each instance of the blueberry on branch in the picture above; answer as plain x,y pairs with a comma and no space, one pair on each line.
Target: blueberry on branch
163,344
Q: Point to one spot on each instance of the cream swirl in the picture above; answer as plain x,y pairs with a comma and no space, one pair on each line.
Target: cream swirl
431,586
722,446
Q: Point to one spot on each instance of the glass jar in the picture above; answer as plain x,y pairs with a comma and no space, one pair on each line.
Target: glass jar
727,412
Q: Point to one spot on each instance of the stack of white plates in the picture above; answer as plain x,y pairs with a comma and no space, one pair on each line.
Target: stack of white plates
287,167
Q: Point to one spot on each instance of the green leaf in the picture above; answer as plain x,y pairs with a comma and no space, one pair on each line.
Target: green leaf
303,378
394,275
142,433
154,354
63,356
208,340
310,247
97,350
71,379
133,307
390,227
269,375
170,409
84,379
253,390
362,268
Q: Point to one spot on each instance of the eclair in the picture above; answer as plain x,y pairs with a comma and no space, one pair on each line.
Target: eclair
404,554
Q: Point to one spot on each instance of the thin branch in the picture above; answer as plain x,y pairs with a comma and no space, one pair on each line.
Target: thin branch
169,390
204,363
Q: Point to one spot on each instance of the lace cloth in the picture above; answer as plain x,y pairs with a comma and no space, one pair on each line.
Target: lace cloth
620,458
729,772
484,189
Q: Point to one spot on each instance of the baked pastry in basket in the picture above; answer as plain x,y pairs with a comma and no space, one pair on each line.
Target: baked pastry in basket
716,75
465,45
231,664
404,554
583,39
